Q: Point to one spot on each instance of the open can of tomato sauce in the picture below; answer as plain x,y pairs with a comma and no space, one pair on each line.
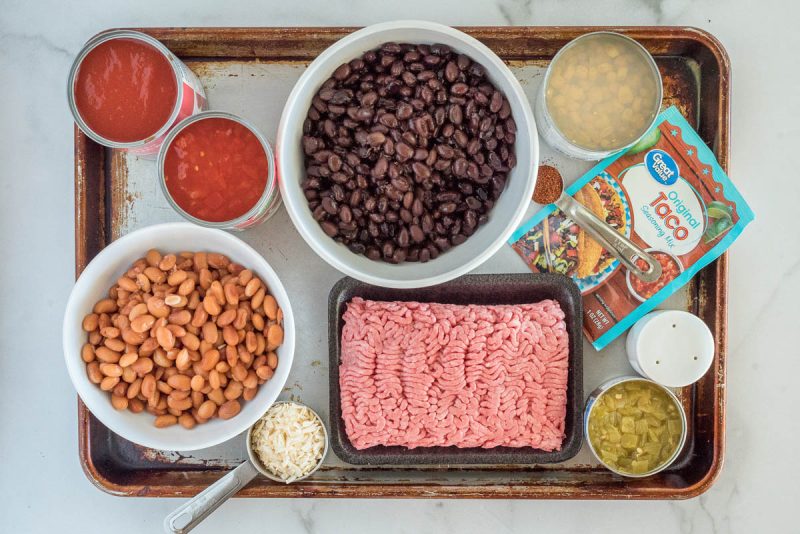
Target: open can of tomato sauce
126,90
217,170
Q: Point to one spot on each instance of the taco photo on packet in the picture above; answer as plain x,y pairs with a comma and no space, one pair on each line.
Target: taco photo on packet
669,195
559,245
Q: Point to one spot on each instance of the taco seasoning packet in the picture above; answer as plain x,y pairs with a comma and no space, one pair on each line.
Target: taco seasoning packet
669,194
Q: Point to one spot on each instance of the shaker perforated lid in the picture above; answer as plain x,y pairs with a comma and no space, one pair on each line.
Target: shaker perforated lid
671,347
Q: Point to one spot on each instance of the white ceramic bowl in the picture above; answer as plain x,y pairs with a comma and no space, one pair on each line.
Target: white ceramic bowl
93,285
504,217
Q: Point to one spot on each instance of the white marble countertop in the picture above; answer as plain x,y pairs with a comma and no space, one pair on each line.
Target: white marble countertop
42,488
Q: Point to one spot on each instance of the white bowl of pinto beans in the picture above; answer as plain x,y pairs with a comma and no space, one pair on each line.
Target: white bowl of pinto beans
178,337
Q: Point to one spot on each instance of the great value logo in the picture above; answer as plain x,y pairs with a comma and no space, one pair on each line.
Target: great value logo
661,167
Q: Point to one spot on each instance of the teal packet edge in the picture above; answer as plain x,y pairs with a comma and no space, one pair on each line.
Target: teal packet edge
704,154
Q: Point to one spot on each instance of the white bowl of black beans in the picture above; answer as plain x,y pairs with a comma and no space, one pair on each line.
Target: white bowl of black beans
407,154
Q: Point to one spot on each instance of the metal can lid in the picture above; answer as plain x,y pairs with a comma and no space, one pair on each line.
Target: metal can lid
672,347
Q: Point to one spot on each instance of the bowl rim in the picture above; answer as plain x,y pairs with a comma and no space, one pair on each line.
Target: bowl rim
303,86
76,366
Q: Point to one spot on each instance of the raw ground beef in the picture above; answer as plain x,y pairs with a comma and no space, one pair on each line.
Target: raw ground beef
422,375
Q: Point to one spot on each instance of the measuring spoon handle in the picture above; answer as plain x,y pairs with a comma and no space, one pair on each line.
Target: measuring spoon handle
191,513
625,250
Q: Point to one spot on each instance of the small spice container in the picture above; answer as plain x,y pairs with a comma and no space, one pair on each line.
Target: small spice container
601,93
672,347
634,426
126,90
549,185
217,170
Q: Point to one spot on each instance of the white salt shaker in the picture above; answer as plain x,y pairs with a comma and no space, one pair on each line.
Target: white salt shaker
674,348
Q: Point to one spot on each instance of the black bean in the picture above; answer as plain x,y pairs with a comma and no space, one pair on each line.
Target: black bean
455,114
458,239
401,184
329,228
403,151
417,209
376,138
411,56
380,168
391,48
345,215
470,219
388,120
402,238
459,89
416,233
450,72
505,110
342,96
338,192
334,162
497,102
472,171
447,207
358,248
442,243
397,68
511,126
404,111
330,205
421,170
339,177
460,167
407,148
408,200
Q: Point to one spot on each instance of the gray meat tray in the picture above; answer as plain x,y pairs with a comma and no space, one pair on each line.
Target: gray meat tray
470,289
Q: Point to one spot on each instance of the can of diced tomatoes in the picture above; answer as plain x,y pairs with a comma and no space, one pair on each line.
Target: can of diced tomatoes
217,170
126,90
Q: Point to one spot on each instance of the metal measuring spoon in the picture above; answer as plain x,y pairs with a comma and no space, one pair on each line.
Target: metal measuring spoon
620,246
193,512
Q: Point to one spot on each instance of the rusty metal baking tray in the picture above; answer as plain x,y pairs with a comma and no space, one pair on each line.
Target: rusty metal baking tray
250,71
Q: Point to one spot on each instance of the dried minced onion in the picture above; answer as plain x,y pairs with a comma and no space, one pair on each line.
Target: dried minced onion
289,440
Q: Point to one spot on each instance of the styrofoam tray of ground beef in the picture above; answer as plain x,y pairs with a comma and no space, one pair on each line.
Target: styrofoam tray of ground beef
435,380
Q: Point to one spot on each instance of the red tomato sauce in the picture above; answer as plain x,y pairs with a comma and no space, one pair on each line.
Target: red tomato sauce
216,169
669,271
125,90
